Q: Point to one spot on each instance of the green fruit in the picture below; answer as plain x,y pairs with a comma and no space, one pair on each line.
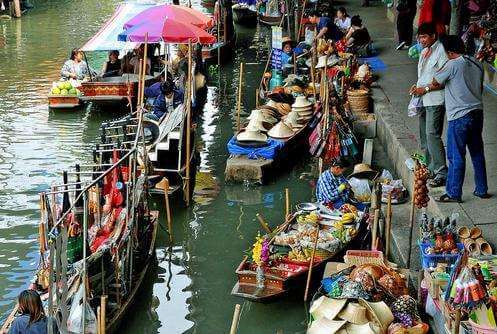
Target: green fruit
67,85
61,85
73,91
63,92
55,91
78,92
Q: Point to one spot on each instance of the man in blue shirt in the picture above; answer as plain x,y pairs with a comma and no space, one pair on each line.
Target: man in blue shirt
169,98
325,27
332,187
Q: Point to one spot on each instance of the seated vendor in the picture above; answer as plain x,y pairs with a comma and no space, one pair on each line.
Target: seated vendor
169,98
332,187
112,67
75,67
357,36
134,62
325,27
287,54
154,90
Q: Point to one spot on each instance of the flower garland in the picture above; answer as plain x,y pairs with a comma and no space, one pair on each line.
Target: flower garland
260,250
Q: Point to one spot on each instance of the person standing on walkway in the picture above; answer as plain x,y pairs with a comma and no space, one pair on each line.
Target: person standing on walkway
406,11
462,77
431,119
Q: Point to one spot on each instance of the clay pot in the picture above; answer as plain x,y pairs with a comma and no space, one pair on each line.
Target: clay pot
463,232
475,233
471,247
484,247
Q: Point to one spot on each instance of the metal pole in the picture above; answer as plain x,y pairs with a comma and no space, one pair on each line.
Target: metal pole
239,99
85,229
188,124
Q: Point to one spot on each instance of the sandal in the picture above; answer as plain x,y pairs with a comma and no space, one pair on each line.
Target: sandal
447,199
436,182
484,196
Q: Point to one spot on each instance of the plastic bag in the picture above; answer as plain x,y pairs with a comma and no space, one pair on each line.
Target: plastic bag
74,321
415,106
361,189
386,176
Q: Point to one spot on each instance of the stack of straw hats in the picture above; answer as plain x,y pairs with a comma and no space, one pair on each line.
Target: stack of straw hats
251,134
280,131
337,316
303,107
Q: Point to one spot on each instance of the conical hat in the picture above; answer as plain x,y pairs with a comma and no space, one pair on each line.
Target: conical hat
251,134
283,108
261,116
257,124
363,171
354,313
326,307
378,313
325,326
292,120
309,108
280,131
301,102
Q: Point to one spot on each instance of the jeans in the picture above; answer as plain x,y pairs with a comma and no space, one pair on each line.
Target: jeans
462,132
431,123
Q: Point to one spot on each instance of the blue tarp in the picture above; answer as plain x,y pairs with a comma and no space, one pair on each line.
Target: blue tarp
266,152
376,64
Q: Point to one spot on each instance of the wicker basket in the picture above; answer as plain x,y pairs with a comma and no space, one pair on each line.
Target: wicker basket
480,329
359,100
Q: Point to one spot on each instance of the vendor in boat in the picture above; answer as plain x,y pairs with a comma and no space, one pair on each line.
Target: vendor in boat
332,187
180,64
134,62
325,27
112,67
32,317
287,54
168,100
75,67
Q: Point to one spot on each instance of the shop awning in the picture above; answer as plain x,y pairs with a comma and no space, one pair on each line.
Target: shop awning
106,38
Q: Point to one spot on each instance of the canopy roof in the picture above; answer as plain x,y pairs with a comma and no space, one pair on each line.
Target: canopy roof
106,38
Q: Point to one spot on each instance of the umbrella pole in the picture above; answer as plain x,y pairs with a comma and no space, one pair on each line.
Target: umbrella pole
138,102
144,71
188,124
239,100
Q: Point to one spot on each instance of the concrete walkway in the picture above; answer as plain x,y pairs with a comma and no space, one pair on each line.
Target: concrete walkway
398,133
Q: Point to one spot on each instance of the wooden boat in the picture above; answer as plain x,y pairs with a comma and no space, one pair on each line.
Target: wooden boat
270,20
210,52
282,275
63,102
243,15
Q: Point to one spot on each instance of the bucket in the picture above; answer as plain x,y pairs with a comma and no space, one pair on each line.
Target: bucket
358,100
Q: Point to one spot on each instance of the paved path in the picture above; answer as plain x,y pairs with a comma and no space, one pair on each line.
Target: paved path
391,100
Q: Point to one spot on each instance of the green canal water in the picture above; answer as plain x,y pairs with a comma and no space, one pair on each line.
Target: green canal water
189,289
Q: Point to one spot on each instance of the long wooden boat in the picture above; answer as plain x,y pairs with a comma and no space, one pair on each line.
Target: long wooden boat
225,50
270,20
244,16
63,102
284,275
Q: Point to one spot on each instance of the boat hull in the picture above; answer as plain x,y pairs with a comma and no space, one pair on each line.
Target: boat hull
63,102
270,20
244,16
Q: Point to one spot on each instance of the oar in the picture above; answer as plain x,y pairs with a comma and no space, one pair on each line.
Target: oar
9,320
263,223
235,320
311,263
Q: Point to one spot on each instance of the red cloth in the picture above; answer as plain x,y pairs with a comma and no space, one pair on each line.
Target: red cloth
436,12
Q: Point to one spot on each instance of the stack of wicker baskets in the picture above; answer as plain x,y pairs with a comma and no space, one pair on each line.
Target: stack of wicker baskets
358,100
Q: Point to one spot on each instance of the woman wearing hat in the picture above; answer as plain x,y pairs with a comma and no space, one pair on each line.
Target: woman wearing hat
287,54
332,187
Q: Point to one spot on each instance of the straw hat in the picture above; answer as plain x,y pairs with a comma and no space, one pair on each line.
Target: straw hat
325,326
354,313
363,171
251,134
259,115
282,108
257,124
378,313
286,40
292,120
301,102
326,307
280,131
332,61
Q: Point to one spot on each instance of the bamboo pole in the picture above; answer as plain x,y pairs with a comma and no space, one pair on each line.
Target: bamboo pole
257,98
388,225
301,18
188,124
374,230
84,276
144,71
311,263
99,321
239,99
17,8
235,320
9,320
140,67
457,322
263,223
287,202
103,306
168,209
411,223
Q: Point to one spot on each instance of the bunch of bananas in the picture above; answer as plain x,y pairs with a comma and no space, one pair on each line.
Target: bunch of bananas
311,218
348,218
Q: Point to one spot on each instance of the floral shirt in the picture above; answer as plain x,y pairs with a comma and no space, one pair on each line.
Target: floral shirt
81,69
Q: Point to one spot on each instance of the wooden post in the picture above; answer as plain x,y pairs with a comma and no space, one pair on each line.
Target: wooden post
257,98
287,203
457,322
263,223
144,71
300,21
235,320
388,225
188,124
168,209
374,230
99,321
103,306
140,67
411,223
17,8
311,263
239,99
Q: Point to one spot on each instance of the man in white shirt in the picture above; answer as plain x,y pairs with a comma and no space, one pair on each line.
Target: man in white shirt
431,121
